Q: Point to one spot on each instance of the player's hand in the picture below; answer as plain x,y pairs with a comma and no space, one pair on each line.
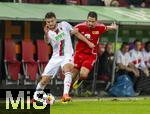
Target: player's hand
114,26
46,29
91,45
74,31
136,73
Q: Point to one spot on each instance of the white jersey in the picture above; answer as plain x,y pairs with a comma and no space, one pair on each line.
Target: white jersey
123,58
61,40
146,58
137,58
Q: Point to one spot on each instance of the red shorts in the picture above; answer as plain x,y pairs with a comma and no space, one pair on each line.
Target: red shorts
84,60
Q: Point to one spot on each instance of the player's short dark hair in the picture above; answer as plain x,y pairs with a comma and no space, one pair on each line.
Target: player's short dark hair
92,14
50,15
124,44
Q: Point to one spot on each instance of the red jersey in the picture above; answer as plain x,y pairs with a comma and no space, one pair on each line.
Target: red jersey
92,34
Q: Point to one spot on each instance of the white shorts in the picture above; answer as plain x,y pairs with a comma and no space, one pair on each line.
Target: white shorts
55,63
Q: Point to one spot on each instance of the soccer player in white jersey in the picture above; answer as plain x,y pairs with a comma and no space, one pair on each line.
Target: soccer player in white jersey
59,36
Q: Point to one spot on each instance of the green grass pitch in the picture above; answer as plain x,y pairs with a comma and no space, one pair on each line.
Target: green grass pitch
103,106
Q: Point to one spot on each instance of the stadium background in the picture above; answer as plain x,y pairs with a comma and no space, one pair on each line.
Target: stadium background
19,21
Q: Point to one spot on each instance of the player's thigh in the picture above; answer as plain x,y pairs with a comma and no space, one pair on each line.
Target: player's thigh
68,67
67,64
89,62
87,65
78,59
52,67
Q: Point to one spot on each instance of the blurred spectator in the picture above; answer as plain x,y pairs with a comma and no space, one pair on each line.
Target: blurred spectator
126,72
106,61
6,0
123,61
77,2
96,2
136,57
143,83
45,1
57,1
111,2
86,2
146,54
136,3
35,1
147,3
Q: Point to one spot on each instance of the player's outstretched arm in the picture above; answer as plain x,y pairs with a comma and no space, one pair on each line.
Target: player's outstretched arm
113,26
46,29
81,37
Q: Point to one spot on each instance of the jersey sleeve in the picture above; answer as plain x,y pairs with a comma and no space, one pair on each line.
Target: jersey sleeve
78,26
102,28
67,26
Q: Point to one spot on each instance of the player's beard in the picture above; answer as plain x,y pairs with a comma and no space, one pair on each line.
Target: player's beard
54,27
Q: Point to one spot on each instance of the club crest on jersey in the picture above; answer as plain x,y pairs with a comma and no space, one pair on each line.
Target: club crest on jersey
95,32
88,36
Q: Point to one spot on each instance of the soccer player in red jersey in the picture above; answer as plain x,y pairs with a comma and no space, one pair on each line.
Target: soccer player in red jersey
85,56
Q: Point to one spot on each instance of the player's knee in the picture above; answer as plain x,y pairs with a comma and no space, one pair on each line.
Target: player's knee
68,68
83,75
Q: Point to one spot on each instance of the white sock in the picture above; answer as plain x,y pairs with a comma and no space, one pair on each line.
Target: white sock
39,89
67,82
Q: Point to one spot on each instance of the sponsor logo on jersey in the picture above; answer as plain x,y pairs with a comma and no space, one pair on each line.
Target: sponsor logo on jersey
95,32
60,36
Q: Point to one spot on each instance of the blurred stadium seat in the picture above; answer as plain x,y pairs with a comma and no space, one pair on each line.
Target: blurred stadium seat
42,55
30,66
12,65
